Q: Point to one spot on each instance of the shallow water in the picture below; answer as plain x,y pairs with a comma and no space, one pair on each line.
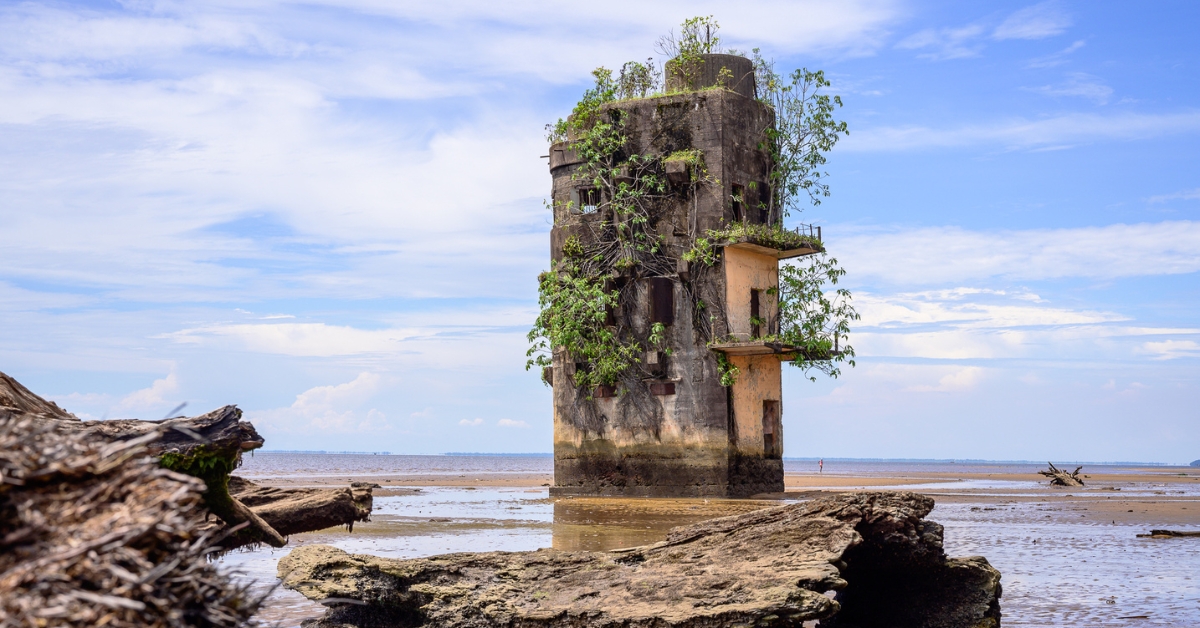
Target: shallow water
1055,572
272,465
1077,574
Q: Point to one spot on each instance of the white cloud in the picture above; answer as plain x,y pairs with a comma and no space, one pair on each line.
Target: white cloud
162,394
511,423
476,421
1058,58
945,43
1078,84
1171,349
494,338
334,409
948,307
1036,22
988,324
963,378
300,339
1185,195
940,255
1025,134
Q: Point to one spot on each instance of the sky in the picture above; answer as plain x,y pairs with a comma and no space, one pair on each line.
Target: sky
332,215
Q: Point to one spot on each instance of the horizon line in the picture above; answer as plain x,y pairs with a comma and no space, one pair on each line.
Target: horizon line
786,459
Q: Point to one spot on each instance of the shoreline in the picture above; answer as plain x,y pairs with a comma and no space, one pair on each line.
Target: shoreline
1156,496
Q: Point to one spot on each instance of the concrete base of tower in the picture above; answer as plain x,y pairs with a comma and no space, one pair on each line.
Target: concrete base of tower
752,475
631,476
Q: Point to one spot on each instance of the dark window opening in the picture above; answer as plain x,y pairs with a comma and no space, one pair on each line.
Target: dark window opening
662,300
662,388
772,430
755,320
739,197
610,316
764,202
587,200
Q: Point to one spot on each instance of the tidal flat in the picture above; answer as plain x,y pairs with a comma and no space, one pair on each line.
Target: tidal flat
1068,556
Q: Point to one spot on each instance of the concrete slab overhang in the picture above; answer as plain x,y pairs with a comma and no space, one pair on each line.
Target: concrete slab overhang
762,347
776,253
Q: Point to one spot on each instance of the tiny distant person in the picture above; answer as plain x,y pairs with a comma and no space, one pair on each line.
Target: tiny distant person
821,466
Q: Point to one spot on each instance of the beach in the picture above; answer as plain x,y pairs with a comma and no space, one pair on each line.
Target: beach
1069,556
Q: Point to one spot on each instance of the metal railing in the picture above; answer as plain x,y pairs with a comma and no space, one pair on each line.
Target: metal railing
812,231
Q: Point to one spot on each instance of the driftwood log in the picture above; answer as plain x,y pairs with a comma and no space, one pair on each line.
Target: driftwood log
210,447
1166,534
1058,477
770,568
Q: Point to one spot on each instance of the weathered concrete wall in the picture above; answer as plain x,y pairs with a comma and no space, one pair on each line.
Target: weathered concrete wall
639,443
760,380
746,271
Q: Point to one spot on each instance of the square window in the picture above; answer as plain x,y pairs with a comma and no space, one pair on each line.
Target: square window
587,200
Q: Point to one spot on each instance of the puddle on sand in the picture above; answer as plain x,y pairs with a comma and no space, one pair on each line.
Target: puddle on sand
596,524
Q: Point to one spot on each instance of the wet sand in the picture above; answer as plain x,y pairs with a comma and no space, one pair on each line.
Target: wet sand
1154,496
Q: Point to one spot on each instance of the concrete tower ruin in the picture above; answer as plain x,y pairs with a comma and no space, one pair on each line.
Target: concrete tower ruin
675,429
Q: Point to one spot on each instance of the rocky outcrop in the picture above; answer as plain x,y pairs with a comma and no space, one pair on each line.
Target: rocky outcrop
855,560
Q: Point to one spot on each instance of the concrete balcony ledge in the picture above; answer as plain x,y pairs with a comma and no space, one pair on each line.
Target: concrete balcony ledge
753,347
772,240
763,347
776,253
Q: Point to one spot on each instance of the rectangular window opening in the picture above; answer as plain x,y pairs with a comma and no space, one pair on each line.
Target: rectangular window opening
662,388
755,316
772,430
589,200
662,300
610,316
739,197
764,202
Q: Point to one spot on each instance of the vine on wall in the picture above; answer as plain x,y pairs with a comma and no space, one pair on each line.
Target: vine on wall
584,291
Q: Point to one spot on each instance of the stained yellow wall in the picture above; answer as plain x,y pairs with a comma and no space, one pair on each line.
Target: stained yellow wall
746,270
760,379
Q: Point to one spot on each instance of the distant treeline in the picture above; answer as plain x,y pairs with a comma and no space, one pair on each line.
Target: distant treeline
476,453
1124,463
322,451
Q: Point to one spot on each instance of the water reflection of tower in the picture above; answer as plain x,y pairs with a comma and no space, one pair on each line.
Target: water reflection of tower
676,430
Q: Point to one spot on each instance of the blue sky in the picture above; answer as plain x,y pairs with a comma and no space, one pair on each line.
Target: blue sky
331,215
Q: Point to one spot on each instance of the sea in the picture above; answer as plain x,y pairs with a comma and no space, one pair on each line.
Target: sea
1055,571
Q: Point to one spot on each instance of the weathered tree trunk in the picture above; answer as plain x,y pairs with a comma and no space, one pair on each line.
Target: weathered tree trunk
295,510
210,447
1164,534
97,533
1059,477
